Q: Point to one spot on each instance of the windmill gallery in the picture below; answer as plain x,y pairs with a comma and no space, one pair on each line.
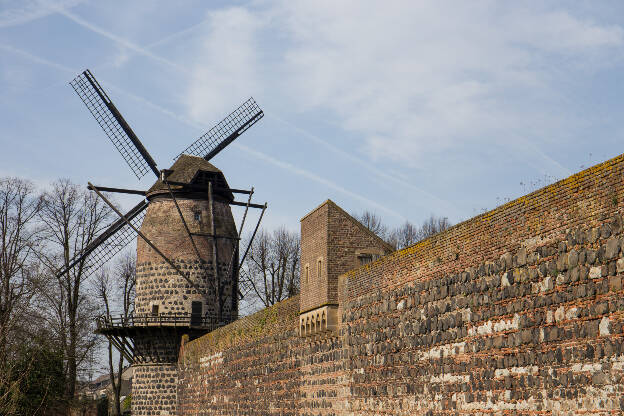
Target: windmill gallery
516,311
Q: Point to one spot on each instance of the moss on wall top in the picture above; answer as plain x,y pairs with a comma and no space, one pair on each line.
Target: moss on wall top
281,317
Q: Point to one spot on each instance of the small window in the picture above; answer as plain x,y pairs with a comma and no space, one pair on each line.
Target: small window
197,216
365,258
307,274
154,309
318,269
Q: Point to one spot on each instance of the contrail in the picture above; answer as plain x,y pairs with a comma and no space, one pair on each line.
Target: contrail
175,35
121,41
376,171
33,10
37,59
316,178
269,159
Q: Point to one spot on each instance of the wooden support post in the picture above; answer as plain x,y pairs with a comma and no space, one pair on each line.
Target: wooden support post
215,252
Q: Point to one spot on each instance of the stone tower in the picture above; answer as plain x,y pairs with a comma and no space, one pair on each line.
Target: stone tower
332,243
167,305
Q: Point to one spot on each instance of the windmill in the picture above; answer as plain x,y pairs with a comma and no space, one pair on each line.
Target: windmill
187,246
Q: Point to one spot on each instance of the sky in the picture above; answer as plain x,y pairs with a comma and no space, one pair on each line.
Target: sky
401,108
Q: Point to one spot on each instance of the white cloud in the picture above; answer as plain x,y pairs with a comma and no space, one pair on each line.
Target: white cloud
225,63
15,13
415,78
560,32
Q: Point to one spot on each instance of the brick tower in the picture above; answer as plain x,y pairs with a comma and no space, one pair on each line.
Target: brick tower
167,304
332,243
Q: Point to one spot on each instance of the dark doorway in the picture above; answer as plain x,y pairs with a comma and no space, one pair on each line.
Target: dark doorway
196,313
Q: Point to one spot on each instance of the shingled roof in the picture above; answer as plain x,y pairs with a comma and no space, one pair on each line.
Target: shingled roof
191,170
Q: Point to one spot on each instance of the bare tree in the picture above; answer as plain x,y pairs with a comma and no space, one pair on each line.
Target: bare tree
71,219
19,206
373,222
271,270
118,286
404,236
433,225
408,234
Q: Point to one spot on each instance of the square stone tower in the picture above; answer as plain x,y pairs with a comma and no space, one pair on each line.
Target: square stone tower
332,243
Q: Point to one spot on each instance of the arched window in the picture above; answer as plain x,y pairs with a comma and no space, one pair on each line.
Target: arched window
319,268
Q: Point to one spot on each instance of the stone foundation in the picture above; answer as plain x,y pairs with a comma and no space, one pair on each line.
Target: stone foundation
154,390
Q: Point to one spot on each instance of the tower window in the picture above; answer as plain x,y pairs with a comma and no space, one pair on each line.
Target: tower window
197,216
319,264
307,274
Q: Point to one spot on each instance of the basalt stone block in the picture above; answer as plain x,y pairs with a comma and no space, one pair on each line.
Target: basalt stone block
602,254
552,268
612,248
573,258
611,268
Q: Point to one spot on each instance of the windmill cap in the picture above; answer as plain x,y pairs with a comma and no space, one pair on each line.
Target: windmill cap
192,170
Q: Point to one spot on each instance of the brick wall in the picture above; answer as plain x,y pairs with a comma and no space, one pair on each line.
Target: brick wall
348,239
314,248
330,241
516,311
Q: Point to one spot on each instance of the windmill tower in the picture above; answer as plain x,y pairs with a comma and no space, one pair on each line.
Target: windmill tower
187,250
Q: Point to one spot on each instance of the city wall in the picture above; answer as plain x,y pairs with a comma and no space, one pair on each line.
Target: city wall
516,311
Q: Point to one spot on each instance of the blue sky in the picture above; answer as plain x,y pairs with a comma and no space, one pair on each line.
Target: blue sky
403,108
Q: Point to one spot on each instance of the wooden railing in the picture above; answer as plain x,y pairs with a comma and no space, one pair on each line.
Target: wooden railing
165,320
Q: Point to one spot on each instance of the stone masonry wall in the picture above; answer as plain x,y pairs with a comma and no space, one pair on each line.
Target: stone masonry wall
258,365
154,389
516,311
159,284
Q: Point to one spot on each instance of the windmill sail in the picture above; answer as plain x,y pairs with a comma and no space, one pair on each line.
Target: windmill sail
117,242
113,124
117,236
224,133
